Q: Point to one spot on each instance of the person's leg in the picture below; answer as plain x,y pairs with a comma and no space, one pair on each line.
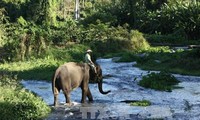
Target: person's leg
94,68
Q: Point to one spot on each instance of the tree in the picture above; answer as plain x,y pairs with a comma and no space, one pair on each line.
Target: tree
77,10
154,4
3,19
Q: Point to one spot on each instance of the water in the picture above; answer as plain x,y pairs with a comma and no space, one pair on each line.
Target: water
120,79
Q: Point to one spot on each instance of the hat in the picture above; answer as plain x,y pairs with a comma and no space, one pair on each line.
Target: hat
89,50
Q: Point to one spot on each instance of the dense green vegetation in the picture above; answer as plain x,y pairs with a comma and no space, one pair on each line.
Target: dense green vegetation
162,81
43,68
36,36
183,62
17,103
105,26
165,59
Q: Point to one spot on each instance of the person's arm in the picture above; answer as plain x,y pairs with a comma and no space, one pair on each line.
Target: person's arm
89,58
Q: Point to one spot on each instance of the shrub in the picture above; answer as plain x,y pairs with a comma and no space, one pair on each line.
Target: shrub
3,18
165,39
195,53
159,49
71,52
128,57
105,39
160,58
138,42
17,103
162,81
181,18
25,40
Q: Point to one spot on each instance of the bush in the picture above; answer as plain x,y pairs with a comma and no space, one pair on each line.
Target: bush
25,40
43,69
3,18
17,103
162,81
105,39
160,58
138,42
157,39
195,53
181,19
71,52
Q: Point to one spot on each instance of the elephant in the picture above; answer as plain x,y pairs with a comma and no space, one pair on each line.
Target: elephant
72,75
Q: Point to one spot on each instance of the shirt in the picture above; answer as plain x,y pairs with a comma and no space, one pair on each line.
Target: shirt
88,58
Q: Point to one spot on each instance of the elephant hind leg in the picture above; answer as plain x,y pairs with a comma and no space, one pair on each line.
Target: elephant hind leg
56,92
89,95
67,96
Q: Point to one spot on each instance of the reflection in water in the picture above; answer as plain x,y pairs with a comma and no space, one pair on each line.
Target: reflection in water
120,79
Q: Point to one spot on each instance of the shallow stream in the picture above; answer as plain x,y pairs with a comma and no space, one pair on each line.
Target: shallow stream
122,79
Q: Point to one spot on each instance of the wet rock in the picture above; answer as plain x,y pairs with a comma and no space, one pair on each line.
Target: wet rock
107,76
116,59
187,106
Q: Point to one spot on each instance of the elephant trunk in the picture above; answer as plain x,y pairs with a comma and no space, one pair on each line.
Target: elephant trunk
100,88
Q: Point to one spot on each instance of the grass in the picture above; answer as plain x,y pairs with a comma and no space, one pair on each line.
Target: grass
161,59
43,69
36,69
155,58
162,81
138,102
186,62
141,103
17,103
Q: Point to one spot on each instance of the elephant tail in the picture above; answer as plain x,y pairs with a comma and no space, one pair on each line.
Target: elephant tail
56,74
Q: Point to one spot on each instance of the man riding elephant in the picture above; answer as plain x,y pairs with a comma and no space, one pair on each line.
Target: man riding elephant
70,76
88,60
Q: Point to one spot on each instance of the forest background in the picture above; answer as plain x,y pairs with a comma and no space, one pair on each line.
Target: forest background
36,36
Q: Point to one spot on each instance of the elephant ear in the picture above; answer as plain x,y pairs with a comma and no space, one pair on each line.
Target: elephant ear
93,75
99,70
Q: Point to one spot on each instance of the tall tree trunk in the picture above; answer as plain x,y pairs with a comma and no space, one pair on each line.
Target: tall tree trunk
23,47
41,45
64,9
132,10
77,10
28,45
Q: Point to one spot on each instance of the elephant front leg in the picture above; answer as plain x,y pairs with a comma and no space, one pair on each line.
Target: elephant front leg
84,94
89,95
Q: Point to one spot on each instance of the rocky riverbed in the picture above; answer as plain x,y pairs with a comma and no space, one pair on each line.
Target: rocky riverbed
122,79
